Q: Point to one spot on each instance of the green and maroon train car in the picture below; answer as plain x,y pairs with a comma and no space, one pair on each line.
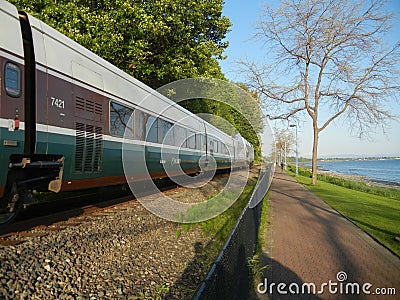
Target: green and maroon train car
66,114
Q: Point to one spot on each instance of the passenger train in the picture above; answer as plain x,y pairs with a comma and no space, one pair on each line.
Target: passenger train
64,111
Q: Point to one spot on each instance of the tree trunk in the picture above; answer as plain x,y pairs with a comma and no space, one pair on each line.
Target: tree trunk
314,153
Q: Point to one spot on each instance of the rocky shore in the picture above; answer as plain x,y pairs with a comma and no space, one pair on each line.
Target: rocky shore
357,178
350,177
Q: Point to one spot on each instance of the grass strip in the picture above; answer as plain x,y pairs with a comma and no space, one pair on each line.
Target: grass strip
378,215
217,230
361,186
222,225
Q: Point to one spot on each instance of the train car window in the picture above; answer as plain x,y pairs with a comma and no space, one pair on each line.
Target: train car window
12,80
223,148
140,118
166,135
180,136
211,147
152,129
192,140
120,119
199,141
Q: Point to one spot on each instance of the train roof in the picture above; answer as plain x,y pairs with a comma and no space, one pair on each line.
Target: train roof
10,29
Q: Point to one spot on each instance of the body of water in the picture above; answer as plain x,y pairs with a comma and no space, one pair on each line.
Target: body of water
385,171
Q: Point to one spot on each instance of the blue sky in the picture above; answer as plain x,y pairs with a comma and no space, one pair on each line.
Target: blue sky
335,139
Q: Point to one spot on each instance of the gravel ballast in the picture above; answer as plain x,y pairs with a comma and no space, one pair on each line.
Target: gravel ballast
126,254
121,252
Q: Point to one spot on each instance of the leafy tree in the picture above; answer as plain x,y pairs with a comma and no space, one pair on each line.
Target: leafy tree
155,41
327,56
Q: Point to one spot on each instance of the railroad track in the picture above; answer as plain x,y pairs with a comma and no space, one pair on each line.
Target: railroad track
71,210
17,232
61,213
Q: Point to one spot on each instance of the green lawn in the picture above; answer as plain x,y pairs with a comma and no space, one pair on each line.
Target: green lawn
377,215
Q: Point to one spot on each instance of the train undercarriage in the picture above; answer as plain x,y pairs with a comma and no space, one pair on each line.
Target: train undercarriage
27,173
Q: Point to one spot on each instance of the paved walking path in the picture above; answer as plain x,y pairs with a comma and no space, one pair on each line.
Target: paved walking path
309,242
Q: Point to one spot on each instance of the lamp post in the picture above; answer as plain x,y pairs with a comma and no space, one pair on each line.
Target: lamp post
285,162
297,152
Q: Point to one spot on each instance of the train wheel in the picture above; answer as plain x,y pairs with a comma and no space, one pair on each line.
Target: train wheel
11,207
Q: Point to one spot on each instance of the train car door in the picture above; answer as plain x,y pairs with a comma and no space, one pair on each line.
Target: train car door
11,88
12,81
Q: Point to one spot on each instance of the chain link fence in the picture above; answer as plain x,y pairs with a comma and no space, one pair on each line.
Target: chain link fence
228,277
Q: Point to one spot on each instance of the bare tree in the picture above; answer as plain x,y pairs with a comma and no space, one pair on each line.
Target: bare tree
327,56
284,143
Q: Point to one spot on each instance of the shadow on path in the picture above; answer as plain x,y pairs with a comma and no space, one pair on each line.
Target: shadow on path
279,282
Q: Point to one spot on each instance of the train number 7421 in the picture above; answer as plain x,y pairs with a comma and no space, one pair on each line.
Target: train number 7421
57,102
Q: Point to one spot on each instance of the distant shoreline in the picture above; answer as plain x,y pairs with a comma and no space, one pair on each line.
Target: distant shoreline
333,159
302,160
